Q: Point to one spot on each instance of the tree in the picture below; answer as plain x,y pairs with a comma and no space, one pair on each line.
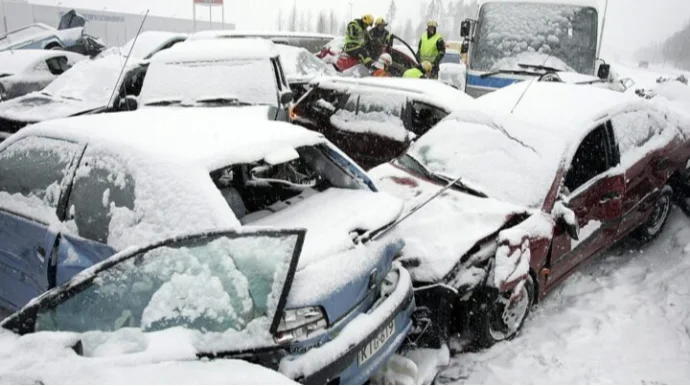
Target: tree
321,25
279,22
392,10
333,23
308,25
292,24
408,31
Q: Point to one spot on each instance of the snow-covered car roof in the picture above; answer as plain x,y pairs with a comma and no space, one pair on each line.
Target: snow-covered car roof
167,357
16,62
150,42
31,32
433,91
220,33
559,104
218,49
301,65
175,134
582,3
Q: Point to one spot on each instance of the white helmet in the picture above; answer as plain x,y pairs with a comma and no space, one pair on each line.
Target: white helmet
379,65
386,59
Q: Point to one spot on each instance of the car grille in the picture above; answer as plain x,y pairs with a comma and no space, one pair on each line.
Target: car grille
11,126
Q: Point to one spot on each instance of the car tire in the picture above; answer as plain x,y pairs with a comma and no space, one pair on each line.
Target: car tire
656,221
495,319
683,193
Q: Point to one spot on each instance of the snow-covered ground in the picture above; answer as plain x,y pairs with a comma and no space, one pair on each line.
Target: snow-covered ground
622,318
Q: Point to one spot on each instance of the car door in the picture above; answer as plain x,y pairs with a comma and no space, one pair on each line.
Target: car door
34,172
594,191
646,163
101,200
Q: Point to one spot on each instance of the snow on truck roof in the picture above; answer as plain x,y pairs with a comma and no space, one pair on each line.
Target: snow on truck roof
561,104
212,138
218,49
582,3
436,92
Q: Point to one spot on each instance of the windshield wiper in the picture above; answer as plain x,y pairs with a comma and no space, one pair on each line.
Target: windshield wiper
440,177
229,101
539,67
164,102
513,72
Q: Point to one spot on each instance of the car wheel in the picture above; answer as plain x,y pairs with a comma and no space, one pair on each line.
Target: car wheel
657,219
683,195
497,319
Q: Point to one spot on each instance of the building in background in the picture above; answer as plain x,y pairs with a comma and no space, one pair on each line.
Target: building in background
115,28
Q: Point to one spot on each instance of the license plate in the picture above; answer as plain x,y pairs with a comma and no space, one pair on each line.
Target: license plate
376,343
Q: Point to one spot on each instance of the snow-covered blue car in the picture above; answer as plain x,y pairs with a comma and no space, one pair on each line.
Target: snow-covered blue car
182,218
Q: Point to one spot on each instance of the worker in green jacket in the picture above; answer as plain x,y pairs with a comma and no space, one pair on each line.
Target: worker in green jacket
418,73
357,39
431,48
381,38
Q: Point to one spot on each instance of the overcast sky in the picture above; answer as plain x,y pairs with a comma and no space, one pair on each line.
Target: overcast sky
630,25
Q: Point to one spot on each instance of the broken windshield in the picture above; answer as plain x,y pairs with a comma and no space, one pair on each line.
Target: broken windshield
553,35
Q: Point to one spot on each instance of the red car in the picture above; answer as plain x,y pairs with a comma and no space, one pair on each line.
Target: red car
402,54
573,170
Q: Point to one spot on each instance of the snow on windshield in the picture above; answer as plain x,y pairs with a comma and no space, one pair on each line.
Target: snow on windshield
249,80
506,160
299,63
506,30
374,113
90,80
218,284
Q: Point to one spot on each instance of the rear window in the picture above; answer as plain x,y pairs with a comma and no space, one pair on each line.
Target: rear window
258,189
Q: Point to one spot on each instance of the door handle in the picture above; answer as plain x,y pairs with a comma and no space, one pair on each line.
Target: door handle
609,196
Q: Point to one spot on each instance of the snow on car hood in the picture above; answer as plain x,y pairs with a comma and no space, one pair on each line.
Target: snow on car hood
449,226
122,357
234,112
453,74
331,216
37,107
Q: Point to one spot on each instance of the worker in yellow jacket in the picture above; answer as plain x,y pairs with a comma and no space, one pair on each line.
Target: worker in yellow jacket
431,48
418,73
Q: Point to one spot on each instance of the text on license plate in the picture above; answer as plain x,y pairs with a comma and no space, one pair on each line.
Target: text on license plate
376,343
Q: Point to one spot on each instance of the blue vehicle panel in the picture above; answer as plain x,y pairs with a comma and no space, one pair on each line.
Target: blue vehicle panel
75,254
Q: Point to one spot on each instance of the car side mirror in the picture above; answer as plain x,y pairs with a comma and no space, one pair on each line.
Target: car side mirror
465,28
465,47
130,103
604,71
627,83
286,98
567,219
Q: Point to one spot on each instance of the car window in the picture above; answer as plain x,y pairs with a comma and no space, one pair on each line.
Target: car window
57,65
591,159
320,103
374,113
32,172
258,189
222,283
103,190
424,117
634,130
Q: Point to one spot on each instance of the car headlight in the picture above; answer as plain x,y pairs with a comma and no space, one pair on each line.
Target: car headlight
300,323
390,282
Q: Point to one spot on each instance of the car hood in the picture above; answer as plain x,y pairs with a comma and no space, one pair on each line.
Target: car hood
37,107
121,357
440,233
331,217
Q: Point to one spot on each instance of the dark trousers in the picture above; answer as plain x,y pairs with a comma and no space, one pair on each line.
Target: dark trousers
361,53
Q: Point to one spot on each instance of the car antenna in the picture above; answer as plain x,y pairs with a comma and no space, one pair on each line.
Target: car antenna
124,66
530,84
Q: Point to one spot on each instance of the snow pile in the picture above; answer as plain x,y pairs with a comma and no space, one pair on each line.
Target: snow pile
166,357
453,74
509,29
621,319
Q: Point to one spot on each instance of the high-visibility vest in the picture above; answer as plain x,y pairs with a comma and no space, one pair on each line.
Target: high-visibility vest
357,40
428,52
413,73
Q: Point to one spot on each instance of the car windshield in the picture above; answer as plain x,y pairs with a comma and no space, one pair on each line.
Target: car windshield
250,81
90,81
516,166
220,283
22,35
259,189
451,57
553,35
300,63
